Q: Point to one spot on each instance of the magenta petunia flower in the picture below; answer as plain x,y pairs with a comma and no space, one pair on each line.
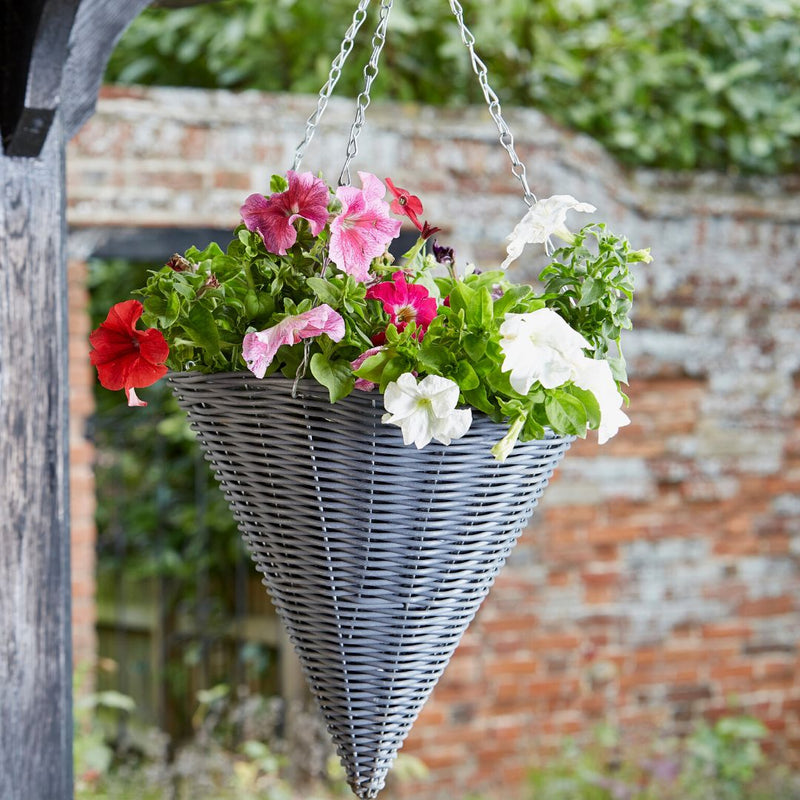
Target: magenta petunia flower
272,216
405,303
258,349
363,229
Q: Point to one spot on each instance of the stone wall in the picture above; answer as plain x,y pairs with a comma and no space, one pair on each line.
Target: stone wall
660,579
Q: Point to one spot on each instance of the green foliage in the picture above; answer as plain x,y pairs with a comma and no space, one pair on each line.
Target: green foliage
723,761
238,751
683,84
152,461
728,754
591,287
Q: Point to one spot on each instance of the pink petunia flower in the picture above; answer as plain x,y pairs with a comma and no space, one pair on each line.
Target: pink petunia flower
363,229
258,349
405,302
362,383
272,216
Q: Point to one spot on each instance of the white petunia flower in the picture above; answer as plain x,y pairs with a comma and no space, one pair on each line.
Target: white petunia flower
595,376
540,346
544,219
425,410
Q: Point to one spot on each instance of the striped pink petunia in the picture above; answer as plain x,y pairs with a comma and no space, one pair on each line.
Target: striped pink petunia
273,217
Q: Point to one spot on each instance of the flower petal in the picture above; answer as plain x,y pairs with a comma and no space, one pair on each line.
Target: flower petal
540,346
363,229
454,426
426,410
442,393
595,376
133,400
543,219
273,217
126,357
259,348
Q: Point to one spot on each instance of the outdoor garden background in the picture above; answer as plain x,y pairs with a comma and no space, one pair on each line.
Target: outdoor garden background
649,614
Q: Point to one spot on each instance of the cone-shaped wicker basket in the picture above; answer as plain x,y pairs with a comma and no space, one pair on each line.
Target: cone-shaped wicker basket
376,555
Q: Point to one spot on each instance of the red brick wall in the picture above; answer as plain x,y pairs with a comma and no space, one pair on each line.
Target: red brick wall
81,455
660,579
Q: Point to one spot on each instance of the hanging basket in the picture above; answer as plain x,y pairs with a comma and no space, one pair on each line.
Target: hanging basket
376,555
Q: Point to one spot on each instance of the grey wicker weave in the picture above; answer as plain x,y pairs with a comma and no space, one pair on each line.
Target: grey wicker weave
376,555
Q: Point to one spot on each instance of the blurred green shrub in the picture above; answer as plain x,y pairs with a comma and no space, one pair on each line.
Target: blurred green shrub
244,747
678,84
723,761
154,491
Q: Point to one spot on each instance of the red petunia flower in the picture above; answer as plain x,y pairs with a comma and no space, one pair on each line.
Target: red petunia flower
127,358
405,303
405,203
273,216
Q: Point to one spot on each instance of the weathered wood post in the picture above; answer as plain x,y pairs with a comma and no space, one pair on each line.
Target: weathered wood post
52,57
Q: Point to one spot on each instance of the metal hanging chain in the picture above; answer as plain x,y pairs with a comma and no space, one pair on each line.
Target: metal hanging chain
333,78
370,73
506,137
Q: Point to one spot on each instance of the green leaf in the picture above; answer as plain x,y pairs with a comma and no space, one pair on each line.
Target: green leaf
474,346
251,303
211,252
461,297
394,368
619,369
565,413
591,291
531,430
433,358
277,183
325,291
513,296
590,404
480,309
203,330
155,305
466,377
478,398
336,376
372,368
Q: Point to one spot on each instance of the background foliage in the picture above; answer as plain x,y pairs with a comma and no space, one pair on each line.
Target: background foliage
678,84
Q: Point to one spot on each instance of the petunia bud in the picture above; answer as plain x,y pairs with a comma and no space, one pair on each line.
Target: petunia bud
212,282
181,264
444,255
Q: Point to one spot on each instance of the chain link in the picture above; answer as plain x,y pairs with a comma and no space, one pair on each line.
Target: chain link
370,73
333,78
480,69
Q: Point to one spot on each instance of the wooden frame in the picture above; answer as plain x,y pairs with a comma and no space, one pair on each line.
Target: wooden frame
51,65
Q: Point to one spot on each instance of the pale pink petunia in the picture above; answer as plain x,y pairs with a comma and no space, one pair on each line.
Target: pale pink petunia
258,349
273,216
362,383
363,229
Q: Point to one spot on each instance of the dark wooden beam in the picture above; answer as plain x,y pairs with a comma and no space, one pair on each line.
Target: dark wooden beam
32,62
35,646
51,63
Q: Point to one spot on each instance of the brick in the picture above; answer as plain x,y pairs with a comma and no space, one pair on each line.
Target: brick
767,606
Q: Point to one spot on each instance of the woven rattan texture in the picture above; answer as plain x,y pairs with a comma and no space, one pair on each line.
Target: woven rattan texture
376,555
